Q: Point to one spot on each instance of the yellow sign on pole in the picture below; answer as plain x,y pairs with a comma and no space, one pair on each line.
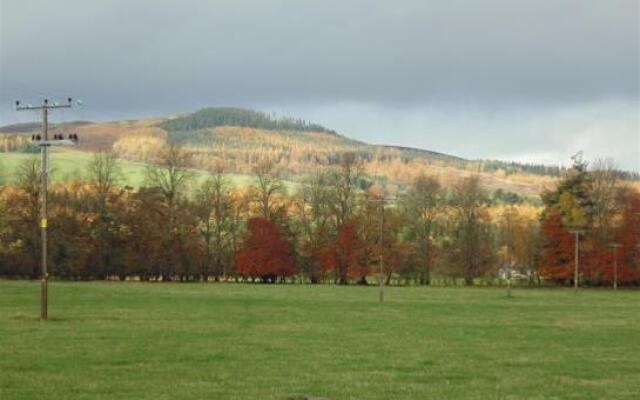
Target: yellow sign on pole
43,223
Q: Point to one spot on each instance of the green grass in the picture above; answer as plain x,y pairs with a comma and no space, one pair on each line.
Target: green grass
232,341
72,164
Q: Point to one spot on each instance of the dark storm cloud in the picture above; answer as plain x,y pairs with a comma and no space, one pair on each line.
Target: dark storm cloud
150,57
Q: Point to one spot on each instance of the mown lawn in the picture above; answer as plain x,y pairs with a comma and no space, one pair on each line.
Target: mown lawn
233,341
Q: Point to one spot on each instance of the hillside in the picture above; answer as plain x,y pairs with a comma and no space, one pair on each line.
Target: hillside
238,138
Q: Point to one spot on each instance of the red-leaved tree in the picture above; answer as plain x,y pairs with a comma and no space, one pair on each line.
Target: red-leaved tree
265,253
558,244
628,236
344,259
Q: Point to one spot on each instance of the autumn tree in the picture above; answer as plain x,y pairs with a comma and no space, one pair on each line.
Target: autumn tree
421,205
314,214
71,243
104,200
214,210
265,254
568,207
627,234
24,203
471,251
144,233
344,259
379,223
341,201
171,177
518,238
558,246
370,221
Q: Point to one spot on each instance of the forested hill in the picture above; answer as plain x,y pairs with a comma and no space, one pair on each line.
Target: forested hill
238,138
231,116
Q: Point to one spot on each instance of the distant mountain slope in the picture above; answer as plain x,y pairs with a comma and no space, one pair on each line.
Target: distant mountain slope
239,138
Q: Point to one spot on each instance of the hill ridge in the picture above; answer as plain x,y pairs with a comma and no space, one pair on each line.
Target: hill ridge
238,136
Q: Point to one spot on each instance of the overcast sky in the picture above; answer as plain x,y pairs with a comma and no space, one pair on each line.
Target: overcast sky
515,80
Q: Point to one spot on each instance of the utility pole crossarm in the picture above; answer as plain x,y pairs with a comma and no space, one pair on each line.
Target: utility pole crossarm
45,105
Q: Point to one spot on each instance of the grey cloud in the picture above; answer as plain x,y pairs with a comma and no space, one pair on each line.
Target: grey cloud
150,57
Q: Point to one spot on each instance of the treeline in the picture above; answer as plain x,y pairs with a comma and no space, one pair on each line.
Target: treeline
329,230
516,168
510,168
230,116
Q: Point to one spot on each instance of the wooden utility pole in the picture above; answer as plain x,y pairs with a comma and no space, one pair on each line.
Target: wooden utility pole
576,268
615,247
44,143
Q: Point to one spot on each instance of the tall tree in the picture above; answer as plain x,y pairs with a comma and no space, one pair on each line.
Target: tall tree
471,235
421,205
144,234
342,183
345,258
568,207
314,211
214,208
104,177
71,243
171,177
627,234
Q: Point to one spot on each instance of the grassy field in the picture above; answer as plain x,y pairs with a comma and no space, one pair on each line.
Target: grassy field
231,341
70,164
73,164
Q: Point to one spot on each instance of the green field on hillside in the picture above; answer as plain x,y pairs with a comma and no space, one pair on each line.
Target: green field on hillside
71,164
242,341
